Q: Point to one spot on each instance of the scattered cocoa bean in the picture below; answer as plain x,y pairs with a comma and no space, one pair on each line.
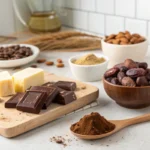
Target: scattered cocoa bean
60,65
33,66
59,61
42,60
49,63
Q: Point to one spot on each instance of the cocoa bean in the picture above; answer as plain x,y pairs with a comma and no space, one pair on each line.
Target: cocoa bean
142,81
143,65
135,72
127,81
115,81
120,76
111,72
129,63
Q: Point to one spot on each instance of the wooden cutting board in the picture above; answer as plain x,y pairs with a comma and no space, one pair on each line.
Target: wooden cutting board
14,122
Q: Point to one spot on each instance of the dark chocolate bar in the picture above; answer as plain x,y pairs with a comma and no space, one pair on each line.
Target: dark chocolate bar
51,93
32,101
65,97
13,101
66,85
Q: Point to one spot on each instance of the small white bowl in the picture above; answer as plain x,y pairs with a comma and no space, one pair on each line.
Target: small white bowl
88,73
22,61
118,53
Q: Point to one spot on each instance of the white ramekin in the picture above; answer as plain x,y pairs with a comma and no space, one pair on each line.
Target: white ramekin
88,73
118,53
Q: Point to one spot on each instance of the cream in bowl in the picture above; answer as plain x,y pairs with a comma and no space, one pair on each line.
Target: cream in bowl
124,45
90,67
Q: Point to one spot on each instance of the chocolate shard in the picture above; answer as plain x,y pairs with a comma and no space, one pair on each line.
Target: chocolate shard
32,102
52,92
13,101
66,85
65,97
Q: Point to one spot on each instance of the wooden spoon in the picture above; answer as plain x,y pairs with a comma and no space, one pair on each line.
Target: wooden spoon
120,124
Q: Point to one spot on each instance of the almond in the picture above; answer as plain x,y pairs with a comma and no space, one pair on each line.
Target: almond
41,60
60,65
136,35
120,36
110,41
127,32
59,61
111,36
123,39
123,43
128,36
116,41
133,39
141,39
49,63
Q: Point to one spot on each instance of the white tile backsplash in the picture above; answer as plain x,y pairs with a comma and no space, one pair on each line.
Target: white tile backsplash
105,17
96,23
125,8
80,19
114,24
72,4
105,6
136,26
88,5
143,9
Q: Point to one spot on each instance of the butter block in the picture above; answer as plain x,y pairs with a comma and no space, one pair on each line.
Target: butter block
6,84
28,77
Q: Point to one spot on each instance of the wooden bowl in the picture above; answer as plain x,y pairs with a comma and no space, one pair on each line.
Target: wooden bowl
129,97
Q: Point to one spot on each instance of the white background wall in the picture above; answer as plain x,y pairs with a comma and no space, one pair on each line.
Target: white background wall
109,16
7,23
97,16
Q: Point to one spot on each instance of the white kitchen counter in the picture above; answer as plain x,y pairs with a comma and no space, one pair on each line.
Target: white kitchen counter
132,138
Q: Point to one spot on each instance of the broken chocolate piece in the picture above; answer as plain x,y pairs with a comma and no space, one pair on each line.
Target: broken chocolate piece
13,101
52,92
65,97
32,101
66,85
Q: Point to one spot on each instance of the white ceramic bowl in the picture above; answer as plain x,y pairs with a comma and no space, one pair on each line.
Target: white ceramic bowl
22,61
88,73
118,53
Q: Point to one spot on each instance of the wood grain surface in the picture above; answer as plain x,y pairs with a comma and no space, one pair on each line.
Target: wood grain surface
14,122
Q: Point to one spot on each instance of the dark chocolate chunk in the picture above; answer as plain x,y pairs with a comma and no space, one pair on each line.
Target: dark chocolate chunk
32,101
66,85
52,92
13,101
65,97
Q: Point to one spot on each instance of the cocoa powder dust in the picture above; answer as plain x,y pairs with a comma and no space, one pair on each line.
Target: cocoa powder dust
92,124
